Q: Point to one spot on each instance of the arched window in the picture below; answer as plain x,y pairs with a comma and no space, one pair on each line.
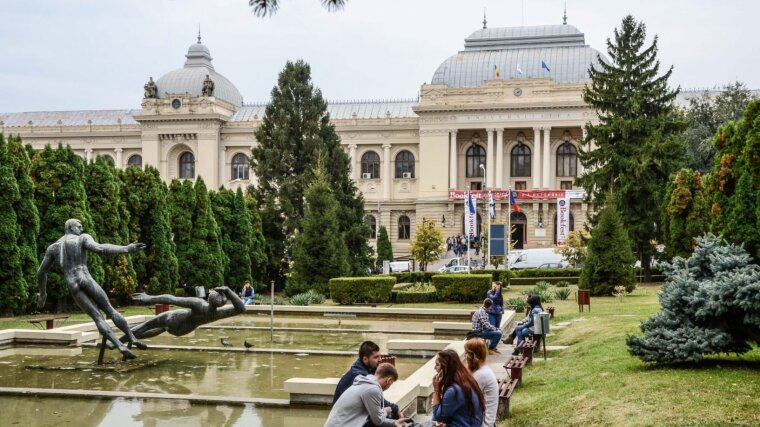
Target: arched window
571,228
405,165
520,157
404,228
370,165
108,159
476,156
240,166
372,223
187,165
567,157
135,160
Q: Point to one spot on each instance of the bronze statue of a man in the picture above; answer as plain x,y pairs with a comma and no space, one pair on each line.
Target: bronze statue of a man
71,253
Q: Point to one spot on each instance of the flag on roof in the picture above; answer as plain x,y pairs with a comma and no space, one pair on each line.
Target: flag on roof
513,201
543,65
519,70
496,71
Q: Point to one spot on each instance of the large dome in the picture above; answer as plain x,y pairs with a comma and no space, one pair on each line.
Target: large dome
517,52
189,79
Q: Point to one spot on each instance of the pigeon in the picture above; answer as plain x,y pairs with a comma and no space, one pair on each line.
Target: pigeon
226,343
247,344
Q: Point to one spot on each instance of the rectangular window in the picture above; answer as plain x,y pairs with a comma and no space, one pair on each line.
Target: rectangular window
566,185
521,185
476,185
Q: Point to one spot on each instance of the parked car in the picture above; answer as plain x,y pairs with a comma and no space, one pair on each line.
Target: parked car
456,269
461,262
554,265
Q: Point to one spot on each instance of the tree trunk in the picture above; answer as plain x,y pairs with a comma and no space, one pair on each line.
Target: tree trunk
646,268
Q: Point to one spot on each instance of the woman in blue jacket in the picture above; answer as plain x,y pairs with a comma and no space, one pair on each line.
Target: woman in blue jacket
525,327
457,399
497,309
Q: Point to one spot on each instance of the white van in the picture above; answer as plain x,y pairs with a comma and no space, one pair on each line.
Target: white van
534,258
400,266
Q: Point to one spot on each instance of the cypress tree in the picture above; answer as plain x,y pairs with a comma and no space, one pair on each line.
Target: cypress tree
236,235
205,250
103,188
258,246
146,196
709,306
319,251
384,248
685,216
181,208
295,131
637,140
609,260
13,285
60,195
741,216
26,214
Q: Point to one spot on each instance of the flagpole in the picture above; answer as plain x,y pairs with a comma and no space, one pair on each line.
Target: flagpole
509,229
488,227
467,234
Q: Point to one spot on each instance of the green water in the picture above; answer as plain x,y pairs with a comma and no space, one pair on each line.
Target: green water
374,323
179,372
53,411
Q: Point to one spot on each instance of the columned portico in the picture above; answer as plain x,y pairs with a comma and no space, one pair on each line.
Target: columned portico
352,155
387,171
118,152
536,168
546,180
489,159
88,154
453,159
499,182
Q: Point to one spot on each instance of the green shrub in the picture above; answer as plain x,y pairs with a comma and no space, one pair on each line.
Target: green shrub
295,285
316,297
350,290
462,287
415,293
562,284
179,292
519,304
531,281
542,290
562,293
307,298
542,285
413,277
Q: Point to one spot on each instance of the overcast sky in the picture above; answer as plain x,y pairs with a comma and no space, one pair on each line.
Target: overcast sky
97,54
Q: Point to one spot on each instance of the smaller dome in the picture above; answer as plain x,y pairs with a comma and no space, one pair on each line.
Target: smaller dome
189,79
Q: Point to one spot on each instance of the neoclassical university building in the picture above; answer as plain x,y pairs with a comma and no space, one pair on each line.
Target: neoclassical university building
506,111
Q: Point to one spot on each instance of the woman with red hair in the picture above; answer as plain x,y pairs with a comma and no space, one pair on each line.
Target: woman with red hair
457,399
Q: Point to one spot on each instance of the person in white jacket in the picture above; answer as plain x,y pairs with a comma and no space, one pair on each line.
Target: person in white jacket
475,354
363,401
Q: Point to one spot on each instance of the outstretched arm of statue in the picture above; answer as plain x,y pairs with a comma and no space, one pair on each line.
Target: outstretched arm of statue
45,265
109,249
234,299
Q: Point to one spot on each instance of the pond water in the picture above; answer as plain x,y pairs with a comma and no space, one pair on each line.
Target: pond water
54,411
217,373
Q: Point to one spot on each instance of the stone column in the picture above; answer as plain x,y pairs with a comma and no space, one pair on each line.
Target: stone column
535,170
352,155
224,178
453,159
499,182
88,155
386,171
118,158
581,169
490,154
546,182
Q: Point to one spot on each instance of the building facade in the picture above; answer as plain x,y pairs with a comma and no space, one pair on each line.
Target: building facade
505,112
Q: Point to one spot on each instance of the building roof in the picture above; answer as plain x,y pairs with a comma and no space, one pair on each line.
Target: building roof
69,118
189,79
518,53
340,110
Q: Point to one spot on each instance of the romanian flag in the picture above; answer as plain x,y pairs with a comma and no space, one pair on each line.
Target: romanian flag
513,201
496,71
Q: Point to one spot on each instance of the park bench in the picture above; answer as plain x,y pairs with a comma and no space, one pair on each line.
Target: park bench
514,367
527,347
506,388
49,321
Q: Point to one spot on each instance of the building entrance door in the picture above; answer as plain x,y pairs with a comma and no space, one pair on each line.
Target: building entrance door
519,222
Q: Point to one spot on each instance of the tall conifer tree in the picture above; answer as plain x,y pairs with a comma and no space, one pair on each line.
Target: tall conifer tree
13,286
205,250
181,209
103,188
236,235
636,146
27,215
384,248
258,245
60,195
147,196
295,131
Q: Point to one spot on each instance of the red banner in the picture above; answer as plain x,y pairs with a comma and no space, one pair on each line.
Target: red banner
504,194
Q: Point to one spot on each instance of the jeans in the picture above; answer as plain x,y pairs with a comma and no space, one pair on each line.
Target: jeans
494,319
248,300
522,332
493,336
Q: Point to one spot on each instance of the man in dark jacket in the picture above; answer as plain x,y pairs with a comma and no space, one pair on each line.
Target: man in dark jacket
366,364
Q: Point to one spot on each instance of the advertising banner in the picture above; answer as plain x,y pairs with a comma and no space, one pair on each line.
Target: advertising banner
563,219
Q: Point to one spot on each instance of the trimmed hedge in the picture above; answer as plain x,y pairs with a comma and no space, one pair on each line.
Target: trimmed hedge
414,277
401,297
462,287
350,290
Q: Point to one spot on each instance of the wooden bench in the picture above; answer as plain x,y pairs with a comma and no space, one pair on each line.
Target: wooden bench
528,346
49,321
506,388
514,367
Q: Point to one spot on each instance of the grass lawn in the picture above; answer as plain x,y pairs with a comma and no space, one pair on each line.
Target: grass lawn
596,382
20,322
